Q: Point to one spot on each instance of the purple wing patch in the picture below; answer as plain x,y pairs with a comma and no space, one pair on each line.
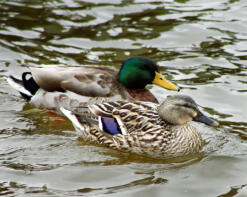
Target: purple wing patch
110,126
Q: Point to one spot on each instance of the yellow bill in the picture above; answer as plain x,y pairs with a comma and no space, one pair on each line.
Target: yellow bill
161,81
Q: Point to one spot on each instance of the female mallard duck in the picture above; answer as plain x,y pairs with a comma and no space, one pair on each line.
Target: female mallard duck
144,128
52,88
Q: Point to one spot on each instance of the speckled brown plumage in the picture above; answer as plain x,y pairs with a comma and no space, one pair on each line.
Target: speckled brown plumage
144,129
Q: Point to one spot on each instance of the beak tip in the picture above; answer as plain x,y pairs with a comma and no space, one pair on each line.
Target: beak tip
208,121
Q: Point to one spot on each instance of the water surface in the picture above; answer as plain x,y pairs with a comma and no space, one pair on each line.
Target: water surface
198,44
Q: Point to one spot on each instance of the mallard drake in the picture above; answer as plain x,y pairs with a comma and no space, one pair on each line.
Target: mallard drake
52,88
144,128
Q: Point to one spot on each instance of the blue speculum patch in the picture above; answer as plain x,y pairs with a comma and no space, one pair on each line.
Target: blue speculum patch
110,126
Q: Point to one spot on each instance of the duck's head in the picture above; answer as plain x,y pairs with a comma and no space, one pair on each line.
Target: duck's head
180,109
137,72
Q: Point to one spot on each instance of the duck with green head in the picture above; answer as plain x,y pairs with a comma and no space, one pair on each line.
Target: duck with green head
53,87
137,72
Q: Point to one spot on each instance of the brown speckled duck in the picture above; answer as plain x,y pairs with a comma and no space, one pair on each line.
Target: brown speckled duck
71,87
145,128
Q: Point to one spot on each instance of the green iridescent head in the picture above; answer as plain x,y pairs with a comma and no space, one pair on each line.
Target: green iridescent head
137,72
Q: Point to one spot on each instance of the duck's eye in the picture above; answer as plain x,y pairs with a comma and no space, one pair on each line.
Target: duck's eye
161,78
188,106
143,67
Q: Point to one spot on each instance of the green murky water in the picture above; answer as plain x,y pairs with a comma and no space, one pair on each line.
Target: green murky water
203,46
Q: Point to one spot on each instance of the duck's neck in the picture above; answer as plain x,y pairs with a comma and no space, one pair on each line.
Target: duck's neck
188,136
142,95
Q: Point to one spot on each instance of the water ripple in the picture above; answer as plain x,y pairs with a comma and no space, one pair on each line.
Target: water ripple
200,45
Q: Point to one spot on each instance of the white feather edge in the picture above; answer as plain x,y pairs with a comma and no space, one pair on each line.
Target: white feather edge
72,118
18,87
121,125
100,123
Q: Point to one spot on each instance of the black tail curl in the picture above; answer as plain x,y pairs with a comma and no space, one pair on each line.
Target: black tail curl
29,84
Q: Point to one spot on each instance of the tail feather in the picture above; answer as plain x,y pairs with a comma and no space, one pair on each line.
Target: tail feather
26,87
72,117
29,84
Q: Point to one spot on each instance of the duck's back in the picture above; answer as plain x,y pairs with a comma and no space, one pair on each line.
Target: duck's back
86,80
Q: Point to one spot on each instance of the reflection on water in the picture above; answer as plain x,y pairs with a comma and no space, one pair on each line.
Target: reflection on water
200,45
